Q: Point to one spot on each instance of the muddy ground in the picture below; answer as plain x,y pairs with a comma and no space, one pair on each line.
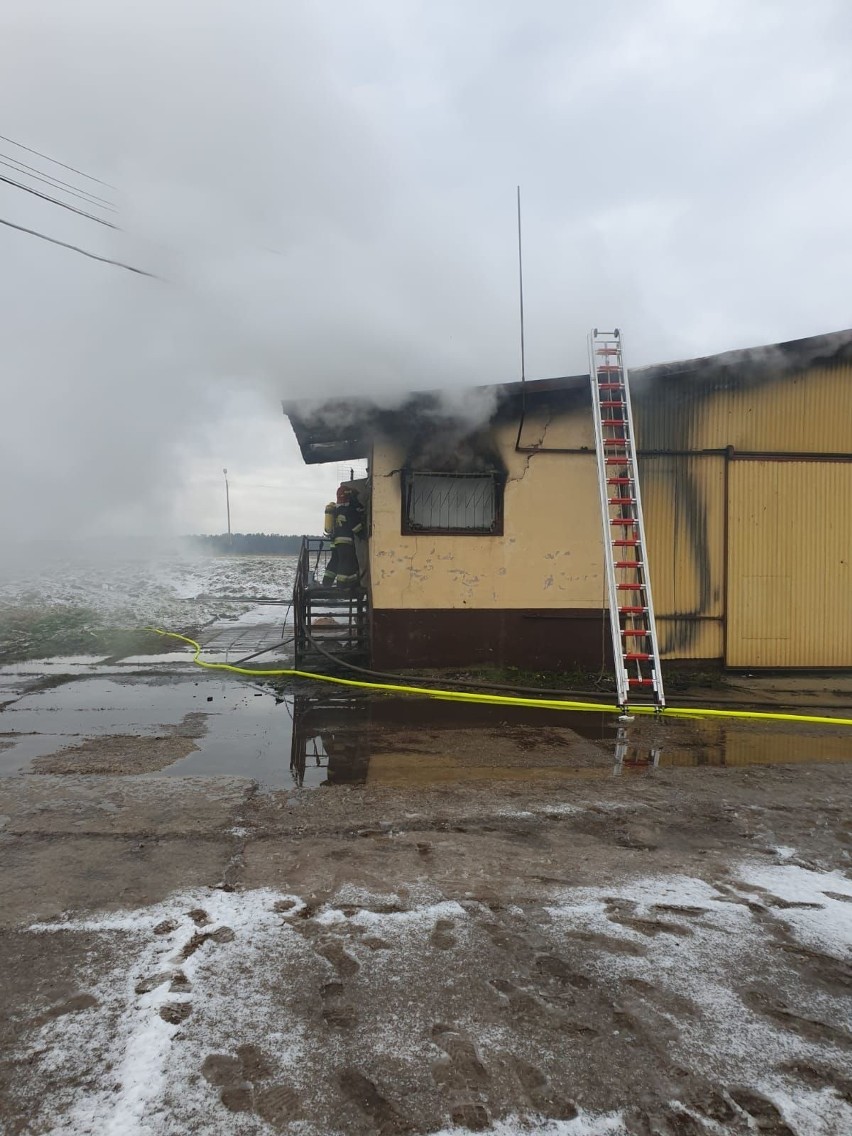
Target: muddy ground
493,924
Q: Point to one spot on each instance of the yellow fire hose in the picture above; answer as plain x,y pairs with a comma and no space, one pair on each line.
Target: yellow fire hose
500,699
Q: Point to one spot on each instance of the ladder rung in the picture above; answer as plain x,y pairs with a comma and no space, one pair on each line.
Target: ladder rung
632,610
624,521
608,368
618,461
620,442
630,588
610,386
610,403
619,481
637,656
640,681
635,633
606,351
626,542
622,501
629,564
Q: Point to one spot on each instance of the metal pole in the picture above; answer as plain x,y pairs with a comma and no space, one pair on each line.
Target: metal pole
228,506
521,290
523,353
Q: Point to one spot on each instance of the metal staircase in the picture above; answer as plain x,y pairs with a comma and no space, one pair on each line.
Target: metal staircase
635,648
327,620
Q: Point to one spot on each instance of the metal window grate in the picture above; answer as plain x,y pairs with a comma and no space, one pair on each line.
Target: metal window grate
452,502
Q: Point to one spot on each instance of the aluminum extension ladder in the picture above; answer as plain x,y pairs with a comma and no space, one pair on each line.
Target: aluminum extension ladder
635,649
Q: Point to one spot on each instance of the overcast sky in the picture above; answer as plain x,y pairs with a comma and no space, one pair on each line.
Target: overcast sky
327,190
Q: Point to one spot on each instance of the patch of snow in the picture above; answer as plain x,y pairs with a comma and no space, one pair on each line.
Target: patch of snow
171,590
448,909
584,1124
560,810
814,1112
329,916
710,964
143,1058
148,1070
828,926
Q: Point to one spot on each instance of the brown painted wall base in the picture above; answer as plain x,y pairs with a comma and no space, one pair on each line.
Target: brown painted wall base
456,637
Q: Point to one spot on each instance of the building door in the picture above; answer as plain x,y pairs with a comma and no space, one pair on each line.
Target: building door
789,552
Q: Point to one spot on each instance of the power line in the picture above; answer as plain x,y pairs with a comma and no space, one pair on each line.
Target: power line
56,201
47,158
83,252
55,183
78,189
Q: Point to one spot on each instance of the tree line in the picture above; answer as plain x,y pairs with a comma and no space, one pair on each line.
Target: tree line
270,544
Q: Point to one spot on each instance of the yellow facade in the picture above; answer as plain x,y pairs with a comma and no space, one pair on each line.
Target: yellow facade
790,589
684,504
550,555
804,412
749,559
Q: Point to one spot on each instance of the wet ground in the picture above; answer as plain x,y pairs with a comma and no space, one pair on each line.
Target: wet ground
226,910
165,717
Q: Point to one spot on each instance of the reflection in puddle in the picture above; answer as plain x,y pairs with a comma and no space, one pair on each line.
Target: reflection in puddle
398,742
328,738
651,743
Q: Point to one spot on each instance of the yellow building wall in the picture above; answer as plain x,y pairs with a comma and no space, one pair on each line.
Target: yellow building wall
550,554
805,412
683,500
689,506
790,581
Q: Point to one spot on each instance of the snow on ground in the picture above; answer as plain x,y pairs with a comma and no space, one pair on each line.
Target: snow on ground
585,1124
234,972
174,590
736,1045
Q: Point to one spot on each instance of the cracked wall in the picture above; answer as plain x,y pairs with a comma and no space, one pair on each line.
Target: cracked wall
550,555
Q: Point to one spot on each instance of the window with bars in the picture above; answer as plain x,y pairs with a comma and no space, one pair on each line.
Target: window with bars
452,502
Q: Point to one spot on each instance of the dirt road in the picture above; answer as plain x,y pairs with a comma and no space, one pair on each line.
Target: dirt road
654,954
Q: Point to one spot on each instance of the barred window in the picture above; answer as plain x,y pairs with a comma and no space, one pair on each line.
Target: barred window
452,502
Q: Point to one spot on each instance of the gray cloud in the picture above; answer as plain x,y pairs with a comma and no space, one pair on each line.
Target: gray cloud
327,190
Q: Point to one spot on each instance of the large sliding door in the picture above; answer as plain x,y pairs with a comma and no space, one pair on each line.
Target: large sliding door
789,574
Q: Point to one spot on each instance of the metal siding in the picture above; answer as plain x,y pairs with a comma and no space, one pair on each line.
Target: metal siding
684,504
806,412
790,547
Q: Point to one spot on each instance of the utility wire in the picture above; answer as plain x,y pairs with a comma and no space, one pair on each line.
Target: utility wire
54,183
47,158
83,252
56,201
44,175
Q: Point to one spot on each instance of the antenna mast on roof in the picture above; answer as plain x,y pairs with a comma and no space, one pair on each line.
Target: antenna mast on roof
521,288
521,305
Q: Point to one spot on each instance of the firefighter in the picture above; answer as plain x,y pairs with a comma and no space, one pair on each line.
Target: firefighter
344,521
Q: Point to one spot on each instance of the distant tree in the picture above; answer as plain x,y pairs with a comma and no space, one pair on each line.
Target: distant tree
243,544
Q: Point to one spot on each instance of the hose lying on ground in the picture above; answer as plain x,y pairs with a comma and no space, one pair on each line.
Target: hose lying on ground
498,699
471,684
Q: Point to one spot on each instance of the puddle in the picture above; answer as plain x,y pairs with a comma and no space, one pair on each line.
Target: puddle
310,740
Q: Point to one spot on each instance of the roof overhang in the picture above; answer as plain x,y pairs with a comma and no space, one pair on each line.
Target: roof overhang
344,429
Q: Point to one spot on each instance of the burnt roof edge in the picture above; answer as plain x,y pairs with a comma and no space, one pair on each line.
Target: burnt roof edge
338,429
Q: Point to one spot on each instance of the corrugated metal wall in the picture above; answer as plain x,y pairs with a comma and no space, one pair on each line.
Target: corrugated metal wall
684,504
810,412
790,548
787,522
806,412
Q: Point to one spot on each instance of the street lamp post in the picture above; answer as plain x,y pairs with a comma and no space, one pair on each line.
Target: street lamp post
228,507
